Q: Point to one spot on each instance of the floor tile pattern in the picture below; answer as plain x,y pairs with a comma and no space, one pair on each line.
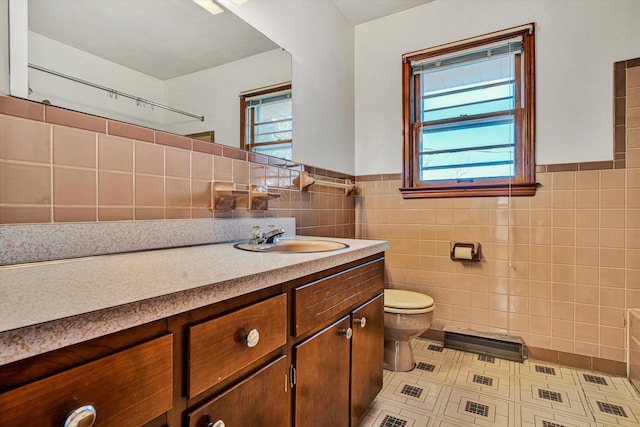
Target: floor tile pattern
451,388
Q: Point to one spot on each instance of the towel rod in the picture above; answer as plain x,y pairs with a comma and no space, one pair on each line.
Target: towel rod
304,181
115,92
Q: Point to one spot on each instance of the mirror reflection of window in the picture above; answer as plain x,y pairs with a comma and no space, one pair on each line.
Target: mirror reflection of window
266,120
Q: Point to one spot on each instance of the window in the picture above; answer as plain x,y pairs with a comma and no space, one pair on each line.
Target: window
266,121
468,117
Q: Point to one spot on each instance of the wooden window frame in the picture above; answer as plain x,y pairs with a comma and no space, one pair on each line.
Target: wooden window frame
524,181
249,145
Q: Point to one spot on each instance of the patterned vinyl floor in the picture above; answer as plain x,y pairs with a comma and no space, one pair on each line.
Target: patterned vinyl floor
450,388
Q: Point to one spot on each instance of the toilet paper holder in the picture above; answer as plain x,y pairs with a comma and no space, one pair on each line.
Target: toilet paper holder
466,251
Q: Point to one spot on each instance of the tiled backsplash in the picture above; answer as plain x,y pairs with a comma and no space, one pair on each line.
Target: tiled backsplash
558,269
59,166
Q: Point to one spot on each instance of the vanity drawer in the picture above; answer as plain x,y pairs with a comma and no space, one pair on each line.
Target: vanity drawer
322,300
259,400
220,347
128,388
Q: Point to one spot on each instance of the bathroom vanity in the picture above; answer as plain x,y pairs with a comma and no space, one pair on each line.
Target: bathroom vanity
289,340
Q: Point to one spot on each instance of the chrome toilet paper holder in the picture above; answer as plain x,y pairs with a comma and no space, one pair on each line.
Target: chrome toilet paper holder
464,254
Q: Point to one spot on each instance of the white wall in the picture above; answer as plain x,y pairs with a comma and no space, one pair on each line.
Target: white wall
321,41
18,42
65,59
577,42
214,94
4,47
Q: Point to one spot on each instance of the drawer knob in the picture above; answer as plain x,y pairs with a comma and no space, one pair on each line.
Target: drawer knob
251,339
361,321
81,417
348,333
218,423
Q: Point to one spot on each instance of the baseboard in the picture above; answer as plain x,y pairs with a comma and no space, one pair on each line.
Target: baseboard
606,366
611,367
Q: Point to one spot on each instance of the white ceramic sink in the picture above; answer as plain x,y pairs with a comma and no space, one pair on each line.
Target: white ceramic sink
294,246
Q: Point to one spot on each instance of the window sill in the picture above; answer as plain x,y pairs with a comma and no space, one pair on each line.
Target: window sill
526,189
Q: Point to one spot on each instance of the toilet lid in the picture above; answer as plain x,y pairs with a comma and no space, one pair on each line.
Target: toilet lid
406,300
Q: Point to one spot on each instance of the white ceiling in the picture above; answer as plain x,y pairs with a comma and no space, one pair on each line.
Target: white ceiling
160,38
170,38
359,11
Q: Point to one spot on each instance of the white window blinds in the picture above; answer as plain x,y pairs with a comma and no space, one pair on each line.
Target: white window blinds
465,112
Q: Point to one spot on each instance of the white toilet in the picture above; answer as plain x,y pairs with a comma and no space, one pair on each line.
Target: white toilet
407,314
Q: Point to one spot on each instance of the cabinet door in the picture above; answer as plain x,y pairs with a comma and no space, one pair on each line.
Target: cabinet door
260,400
367,354
322,378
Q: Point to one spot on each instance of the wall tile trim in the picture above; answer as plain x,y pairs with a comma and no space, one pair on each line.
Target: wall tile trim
62,166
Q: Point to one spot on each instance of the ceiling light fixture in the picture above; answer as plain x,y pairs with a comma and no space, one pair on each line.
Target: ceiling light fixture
210,6
238,2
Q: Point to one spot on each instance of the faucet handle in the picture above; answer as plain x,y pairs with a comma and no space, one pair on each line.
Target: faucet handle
256,235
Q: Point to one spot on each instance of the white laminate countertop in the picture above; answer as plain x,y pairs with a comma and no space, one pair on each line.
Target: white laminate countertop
49,305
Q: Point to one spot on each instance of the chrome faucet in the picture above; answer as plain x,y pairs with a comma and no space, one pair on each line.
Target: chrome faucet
268,237
273,236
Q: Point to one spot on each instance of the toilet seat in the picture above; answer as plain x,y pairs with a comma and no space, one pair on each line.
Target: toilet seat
407,302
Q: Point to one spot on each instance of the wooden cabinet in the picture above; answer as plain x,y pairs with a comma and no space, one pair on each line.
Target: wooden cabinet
294,353
367,355
220,347
338,358
320,301
223,356
321,391
261,399
128,388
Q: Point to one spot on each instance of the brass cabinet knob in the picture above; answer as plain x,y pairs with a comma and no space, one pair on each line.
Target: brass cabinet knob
81,417
348,333
362,321
252,339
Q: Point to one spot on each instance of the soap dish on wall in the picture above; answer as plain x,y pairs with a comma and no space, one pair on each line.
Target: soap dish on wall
226,196
259,198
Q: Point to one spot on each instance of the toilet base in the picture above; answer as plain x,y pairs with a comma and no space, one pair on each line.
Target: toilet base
398,356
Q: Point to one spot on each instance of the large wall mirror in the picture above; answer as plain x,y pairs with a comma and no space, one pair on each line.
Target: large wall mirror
90,55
